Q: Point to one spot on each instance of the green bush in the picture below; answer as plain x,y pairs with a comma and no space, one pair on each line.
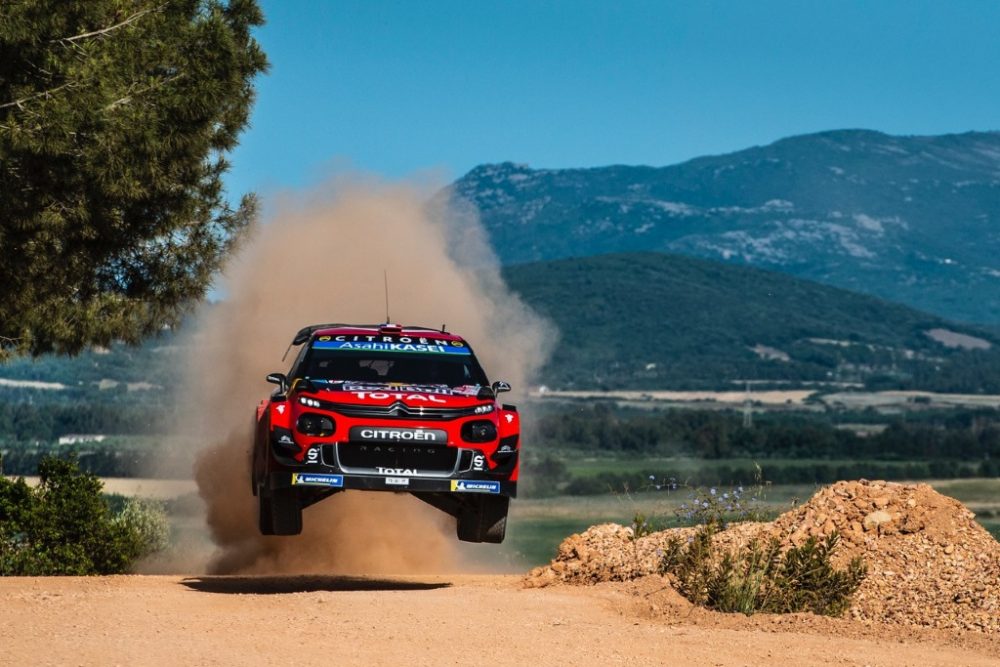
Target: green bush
760,577
147,523
65,525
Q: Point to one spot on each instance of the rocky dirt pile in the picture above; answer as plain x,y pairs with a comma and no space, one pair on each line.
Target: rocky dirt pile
929,563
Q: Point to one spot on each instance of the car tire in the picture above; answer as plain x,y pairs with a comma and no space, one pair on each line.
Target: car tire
265,515
484,521
279,512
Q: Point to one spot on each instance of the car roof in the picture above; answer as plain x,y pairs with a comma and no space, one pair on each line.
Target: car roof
341,329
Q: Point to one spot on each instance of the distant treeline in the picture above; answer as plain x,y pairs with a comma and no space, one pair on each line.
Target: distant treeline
963,435
28,421
104,460
773,473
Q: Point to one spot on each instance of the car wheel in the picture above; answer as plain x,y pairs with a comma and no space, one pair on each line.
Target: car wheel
265,515
484,521
279,512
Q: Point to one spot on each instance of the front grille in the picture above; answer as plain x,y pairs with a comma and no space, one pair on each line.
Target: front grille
369,456
398,410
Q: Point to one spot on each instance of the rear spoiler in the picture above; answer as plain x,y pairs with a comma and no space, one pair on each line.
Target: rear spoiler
305,333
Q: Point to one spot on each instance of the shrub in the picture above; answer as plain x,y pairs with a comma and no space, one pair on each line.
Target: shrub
718,507
65,526
147,523
761,577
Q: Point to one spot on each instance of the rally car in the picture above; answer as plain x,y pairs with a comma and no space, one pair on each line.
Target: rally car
386,407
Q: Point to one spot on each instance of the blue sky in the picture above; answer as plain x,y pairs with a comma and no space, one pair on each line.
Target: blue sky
403,88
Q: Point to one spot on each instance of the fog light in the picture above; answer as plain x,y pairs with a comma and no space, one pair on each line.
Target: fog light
313,424
479,431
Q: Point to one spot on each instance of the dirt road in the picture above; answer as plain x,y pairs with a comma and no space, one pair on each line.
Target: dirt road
429,620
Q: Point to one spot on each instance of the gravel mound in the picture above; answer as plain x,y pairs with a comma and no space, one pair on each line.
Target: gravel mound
929,563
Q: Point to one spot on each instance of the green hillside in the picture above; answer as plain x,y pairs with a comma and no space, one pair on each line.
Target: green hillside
648,320
632,320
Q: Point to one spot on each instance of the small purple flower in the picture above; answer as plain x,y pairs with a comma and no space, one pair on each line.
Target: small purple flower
712,490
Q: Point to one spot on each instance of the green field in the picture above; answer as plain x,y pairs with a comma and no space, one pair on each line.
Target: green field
676,467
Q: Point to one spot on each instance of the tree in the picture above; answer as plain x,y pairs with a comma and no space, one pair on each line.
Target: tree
115,117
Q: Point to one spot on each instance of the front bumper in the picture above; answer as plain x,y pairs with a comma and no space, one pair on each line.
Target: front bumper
326,477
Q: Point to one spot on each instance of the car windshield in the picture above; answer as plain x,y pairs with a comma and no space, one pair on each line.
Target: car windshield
407,368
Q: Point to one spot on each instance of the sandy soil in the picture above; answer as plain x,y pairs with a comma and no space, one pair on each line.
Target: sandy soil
429,620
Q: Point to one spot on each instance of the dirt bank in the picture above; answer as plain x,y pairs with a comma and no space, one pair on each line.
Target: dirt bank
929,563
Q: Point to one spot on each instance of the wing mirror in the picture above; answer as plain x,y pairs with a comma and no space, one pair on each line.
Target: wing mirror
279,379
500,386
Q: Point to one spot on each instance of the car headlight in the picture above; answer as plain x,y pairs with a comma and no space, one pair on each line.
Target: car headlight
479,431
311,423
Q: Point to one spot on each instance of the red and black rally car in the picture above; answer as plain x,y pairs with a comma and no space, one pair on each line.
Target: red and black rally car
386,408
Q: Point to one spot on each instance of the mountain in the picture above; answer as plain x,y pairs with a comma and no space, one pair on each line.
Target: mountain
911,219
649,320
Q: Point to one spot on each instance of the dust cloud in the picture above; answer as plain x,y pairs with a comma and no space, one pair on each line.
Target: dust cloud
321,258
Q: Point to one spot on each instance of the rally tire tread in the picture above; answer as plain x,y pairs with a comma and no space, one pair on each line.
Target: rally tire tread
280,512
485,521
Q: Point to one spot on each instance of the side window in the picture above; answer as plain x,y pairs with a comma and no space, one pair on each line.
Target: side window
297,364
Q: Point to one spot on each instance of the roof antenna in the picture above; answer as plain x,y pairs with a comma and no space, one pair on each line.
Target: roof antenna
385,278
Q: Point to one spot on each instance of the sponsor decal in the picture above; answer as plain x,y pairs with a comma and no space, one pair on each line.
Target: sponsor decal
313,479
383,395
286,440
475,486
280,407
509,417
437,389
395,471
388,434
397,481
312,456
373,343
478,462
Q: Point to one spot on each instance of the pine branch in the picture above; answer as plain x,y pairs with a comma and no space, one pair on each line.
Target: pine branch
44,93
7,342
128,98
103,31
